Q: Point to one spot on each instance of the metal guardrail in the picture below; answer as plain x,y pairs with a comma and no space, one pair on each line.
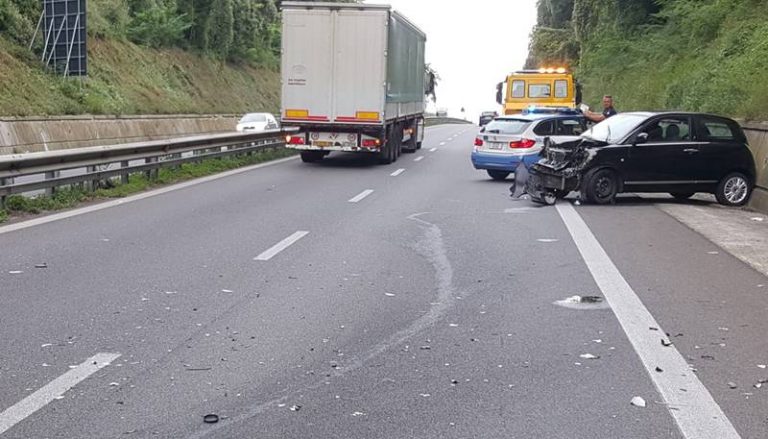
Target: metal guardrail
152,155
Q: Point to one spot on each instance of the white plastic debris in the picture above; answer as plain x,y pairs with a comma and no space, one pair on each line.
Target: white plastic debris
425,395
577,203
589,356
389,294
762,366
16,272
713,253
759,219
227,291
357,414
547,240
453,325
638,402
46,345
114,384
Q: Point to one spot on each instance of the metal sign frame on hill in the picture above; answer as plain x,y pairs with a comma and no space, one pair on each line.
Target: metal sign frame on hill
64,33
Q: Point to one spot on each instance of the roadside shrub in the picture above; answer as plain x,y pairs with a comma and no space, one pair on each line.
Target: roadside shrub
159,26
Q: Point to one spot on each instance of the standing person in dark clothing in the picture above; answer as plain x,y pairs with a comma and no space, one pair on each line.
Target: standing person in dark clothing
608,111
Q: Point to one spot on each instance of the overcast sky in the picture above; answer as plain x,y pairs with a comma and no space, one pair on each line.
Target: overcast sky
473,45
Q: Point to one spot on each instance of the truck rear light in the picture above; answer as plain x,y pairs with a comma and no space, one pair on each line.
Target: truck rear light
371,143
294,140
478,141
522,144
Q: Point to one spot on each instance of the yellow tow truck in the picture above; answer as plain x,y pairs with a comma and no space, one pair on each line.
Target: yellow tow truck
552,87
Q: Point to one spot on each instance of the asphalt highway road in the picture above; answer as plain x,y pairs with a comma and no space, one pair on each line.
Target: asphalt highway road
345,299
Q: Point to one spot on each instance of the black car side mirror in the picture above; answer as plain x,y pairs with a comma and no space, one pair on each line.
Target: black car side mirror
641,138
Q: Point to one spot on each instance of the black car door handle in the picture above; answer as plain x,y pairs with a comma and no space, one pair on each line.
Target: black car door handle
691,150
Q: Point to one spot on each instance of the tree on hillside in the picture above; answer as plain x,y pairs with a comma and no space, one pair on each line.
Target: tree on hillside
219,28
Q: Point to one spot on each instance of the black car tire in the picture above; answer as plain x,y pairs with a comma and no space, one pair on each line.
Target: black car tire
600,186
682,196
497,175
311,156
734,190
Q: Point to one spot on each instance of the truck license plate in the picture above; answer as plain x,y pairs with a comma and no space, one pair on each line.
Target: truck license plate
322,143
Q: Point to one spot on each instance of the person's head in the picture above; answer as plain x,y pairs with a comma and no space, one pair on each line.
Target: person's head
607,101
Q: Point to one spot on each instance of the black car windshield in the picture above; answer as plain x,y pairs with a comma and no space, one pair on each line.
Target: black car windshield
507,126
614,128
254,117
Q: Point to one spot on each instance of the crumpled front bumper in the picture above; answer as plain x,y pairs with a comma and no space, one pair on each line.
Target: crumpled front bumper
545,183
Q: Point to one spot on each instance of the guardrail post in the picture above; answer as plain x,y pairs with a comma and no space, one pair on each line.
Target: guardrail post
4,182
91,185
48,176
152,173
124,177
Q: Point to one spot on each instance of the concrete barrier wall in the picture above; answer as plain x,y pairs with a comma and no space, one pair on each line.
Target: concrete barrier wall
757,134
47,134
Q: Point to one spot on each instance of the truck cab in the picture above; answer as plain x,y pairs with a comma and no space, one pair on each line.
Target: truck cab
546,87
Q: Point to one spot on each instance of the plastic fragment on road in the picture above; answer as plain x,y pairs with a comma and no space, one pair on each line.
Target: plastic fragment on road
658,369
113,384
16,272
227,291
389,294
357,414
547,240
759,219
666,343
295,408
43,265
762,366
211,418
589,357
638,402
733,385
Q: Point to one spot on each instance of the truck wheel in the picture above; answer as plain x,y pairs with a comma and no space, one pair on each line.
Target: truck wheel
418,145
412,146
385,155
311,156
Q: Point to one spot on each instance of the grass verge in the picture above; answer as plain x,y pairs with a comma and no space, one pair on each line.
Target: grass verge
66,198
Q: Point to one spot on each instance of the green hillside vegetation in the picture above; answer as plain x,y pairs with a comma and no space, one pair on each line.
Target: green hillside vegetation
148,56
697,55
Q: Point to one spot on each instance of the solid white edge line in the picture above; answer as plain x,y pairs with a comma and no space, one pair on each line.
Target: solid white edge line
689,402
398,172
56,388
280,246
418,159
153,193
359,197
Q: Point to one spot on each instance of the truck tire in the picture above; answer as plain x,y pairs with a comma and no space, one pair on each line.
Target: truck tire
411,146
311,156
384,156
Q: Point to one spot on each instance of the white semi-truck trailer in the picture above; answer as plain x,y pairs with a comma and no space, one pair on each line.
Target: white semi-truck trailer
353,79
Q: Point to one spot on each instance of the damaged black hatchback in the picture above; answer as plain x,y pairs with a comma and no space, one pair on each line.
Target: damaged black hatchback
677,153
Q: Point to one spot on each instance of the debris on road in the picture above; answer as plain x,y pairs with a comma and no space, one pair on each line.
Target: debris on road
589,357
16,272
658,369
211,418
295,408
733,385
759,219
43,265
638,402
389,294
547,240
583,302
357,414
762,366
666,343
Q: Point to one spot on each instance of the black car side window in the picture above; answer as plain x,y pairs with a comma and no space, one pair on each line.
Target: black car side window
669,130
545,128
711,129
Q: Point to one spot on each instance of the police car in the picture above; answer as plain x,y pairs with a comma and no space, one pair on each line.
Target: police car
510,140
